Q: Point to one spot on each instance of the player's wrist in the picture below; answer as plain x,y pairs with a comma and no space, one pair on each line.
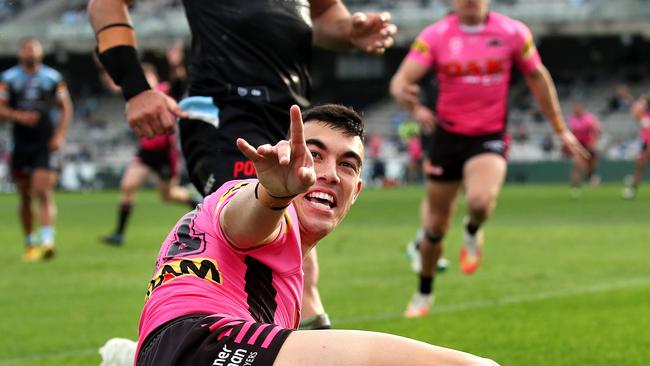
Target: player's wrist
116,52
271,201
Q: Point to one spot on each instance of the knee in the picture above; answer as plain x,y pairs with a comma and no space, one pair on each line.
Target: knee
480,203
42,193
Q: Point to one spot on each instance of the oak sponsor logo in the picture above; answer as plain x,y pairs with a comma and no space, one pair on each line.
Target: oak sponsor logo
203,268
234,357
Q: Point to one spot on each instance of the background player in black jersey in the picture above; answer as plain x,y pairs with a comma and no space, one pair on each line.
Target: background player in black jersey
29,92
250,62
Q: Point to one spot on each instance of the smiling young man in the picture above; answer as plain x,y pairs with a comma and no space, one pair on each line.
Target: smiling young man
228,280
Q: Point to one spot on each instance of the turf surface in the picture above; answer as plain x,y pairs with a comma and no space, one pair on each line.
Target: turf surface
564,282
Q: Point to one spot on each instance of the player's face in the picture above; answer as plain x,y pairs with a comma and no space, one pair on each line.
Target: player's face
337,162
472,10
31,53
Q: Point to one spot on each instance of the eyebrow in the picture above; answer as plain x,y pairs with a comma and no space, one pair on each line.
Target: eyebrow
348,154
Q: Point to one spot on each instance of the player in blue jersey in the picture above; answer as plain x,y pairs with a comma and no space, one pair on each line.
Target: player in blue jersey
30,93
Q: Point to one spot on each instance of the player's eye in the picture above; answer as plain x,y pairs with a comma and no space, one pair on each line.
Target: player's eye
315,154
349,165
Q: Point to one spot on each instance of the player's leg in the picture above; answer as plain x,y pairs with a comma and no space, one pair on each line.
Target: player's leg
170,191
644,156
313,313
43,182
441,199
348,347
26,214
484,175
413,246
134,176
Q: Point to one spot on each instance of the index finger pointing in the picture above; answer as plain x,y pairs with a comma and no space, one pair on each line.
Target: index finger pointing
297,137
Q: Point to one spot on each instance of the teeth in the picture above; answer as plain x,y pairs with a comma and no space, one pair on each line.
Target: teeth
322,196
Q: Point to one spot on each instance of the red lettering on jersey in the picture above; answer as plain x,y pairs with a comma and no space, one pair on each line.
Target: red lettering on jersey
494,66
473,68
452,68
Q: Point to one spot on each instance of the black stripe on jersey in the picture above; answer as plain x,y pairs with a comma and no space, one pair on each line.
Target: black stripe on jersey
260,290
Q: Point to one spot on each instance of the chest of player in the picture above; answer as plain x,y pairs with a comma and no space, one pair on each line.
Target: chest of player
473,55
32,92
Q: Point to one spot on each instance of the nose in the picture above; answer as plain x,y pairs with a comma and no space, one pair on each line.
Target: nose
327,172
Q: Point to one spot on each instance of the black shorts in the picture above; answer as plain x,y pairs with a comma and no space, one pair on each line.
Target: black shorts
211,153
207,340
25,161
449,152
162,162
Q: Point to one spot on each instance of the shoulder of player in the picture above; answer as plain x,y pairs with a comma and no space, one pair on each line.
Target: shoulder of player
511,26
50,74
10,73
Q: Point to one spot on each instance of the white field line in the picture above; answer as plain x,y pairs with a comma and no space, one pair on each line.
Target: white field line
453,308
438,309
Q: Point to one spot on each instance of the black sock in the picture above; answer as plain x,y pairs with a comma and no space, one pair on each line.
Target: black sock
472,228
125,211
426,285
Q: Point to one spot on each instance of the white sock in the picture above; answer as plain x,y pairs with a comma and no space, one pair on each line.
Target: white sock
47,235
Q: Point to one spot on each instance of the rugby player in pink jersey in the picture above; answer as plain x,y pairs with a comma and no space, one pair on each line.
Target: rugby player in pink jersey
472,52
228,282
641,112
586,129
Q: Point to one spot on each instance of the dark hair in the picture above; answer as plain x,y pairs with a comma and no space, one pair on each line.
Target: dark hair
339,117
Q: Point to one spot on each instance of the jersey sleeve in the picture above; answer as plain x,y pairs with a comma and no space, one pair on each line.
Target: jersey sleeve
4,89
525,52
60,86
224,195
422,49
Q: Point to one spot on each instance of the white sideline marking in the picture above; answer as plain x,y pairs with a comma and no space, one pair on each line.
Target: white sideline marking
452,308
438,309
50,356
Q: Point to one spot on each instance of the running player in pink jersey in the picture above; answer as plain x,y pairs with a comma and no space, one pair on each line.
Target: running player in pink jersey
228,282
641,112
586,129
472,52
156,154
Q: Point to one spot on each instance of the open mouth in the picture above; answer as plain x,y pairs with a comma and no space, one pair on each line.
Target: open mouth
322,199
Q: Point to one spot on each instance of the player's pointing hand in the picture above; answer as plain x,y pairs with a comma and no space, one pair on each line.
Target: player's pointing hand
287,168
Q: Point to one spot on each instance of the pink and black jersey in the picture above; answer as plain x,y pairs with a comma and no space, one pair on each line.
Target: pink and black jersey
473,66
585,128
199,272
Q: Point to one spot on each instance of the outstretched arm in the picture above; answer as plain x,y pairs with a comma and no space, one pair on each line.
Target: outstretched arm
149,112
540,83
336,28
284,170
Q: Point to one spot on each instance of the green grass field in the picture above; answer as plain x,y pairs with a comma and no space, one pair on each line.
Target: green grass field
564,282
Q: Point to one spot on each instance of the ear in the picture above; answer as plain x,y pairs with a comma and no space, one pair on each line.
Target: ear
357,190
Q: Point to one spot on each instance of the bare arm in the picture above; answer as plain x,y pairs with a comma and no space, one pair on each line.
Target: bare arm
27,118
104,12
335,28
64,103
405,89
541,85
253,216
149,112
